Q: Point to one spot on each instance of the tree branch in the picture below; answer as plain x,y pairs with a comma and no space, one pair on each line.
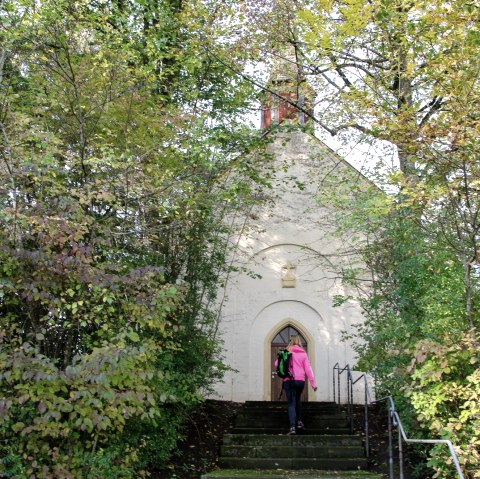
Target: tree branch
433,106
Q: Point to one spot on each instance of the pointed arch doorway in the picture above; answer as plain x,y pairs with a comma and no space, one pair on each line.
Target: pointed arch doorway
280,341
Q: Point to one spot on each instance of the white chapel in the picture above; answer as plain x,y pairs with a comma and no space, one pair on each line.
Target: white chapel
287,260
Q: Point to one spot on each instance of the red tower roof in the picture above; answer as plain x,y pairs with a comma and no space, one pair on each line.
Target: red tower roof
288,97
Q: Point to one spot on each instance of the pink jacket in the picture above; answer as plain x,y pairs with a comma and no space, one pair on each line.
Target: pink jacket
301,366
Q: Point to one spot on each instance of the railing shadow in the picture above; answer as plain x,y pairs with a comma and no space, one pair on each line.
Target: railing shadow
393,420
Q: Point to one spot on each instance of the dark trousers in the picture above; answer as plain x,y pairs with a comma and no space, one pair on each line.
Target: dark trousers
293,390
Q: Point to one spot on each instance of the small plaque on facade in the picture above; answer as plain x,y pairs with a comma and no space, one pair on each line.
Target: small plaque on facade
288,276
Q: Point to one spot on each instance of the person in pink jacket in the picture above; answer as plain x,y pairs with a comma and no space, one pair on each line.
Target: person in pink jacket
299,368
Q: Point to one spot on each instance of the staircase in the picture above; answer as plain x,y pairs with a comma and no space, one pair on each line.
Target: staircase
258,447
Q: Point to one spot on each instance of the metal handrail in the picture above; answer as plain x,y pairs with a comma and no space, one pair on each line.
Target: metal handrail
339,372
350,384
366,402
393,421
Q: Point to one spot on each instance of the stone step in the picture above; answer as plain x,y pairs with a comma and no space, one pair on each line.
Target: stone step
279,474
322,406
316,421
262,417
284,440
283,430
307,406
283,412
259,443
296,451
254,412
293,463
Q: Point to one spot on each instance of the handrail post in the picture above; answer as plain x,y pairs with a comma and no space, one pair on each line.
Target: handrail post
349,403
333,379
351,400
390,445
400,453
338,383
367,448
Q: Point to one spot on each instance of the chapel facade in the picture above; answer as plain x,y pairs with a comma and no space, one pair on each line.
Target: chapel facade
288,260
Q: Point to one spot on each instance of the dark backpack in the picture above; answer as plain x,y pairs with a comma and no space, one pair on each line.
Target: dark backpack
284,359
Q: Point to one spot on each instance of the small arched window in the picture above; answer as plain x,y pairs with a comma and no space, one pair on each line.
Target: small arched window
284,336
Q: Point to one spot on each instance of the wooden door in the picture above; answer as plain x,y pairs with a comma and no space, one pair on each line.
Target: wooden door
281,341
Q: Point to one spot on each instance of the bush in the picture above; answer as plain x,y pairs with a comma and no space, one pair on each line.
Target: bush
445,392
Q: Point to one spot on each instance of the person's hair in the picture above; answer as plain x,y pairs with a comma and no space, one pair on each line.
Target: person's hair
295,341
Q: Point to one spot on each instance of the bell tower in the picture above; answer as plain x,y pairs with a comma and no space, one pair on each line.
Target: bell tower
289,97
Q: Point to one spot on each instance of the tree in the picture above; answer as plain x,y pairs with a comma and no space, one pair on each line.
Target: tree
115,148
